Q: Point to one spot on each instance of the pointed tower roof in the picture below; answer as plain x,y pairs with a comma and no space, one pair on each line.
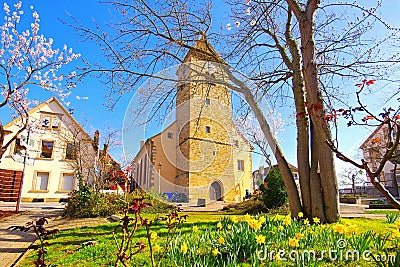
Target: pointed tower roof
203,51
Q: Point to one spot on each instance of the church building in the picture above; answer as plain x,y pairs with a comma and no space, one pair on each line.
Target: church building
201,157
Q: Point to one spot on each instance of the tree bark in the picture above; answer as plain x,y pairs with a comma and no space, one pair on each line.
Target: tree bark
316,108
315,181
302,124
396,184
303,150
2,134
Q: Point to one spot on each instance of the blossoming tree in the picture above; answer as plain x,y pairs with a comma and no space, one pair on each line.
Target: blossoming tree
28,61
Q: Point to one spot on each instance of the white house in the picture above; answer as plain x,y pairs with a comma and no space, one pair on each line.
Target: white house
59,150
373,149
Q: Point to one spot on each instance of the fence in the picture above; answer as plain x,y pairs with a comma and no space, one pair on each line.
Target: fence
10,185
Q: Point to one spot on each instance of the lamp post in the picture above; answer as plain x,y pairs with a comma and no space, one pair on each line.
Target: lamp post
159,177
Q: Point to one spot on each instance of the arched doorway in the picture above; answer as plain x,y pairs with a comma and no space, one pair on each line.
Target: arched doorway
216,191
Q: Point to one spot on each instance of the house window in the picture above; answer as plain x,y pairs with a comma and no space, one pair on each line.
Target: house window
170,135
240,165
50,121
47,149
70,152
236,143
55,123
67,182
18,147
208,129
42,180
208,101
46,121
295,175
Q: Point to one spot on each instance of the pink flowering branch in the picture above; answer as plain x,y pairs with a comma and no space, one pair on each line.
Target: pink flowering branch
29,59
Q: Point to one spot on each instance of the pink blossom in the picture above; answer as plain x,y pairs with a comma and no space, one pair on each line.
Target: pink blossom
6,8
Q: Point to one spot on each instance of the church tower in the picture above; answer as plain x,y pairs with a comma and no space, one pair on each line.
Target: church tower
207,138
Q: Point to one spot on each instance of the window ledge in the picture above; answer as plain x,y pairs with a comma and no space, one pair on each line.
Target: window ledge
63,191
38,191
44,158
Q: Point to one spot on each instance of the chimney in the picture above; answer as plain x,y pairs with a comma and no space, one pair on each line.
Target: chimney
105,150
96,140
141,144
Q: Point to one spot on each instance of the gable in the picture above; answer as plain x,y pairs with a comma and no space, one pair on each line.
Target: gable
367,141
50,107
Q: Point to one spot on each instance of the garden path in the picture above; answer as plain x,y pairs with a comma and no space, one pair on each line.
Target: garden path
14,243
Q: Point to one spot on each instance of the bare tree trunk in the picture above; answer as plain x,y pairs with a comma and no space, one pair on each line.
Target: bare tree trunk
2,134
303,148
303,145
316,107
315,181
396,184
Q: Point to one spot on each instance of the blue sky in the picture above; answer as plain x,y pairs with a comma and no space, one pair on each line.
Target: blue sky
93,110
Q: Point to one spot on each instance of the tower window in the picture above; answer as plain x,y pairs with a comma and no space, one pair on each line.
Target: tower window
170,135
240,165
208,129
208,101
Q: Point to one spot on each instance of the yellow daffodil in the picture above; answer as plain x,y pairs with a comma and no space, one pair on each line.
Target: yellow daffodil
280,228
156,248
215,251
184,248
195,229
153,235
247,217
234,219
300,215
254,224
219,225
221,240
306,221
299,235
277,257
229,227
316,220
260,239
339,228
293,242
287,221
395,234
262,219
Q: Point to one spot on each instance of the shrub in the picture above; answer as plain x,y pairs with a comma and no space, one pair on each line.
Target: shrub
274,192
159,203
85,203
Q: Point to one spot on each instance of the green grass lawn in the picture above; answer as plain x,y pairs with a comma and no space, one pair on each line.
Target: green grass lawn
383,211
65,247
